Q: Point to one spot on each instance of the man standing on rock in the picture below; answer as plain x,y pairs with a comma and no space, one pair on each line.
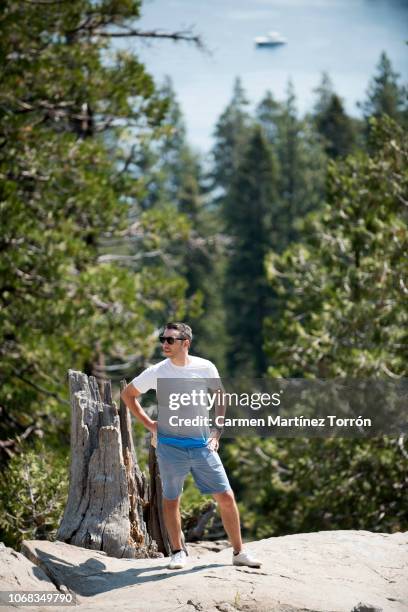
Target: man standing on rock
177,456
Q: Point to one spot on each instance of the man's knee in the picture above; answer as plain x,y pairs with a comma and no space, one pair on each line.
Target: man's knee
226,498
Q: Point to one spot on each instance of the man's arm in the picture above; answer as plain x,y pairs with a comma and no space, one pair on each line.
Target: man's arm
129,395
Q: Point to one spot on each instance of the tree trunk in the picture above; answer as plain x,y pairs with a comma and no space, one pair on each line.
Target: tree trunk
155,518
108,493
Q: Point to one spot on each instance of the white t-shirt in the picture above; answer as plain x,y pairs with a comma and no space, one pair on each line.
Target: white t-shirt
197,367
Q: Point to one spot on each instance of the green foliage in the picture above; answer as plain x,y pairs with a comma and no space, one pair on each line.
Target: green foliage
336,128
192,501
33,491
193,505
231,135
385,96
341,133
342,291
341,312
68,104
110,226
173,179
250,222
298,485
300,165
324,93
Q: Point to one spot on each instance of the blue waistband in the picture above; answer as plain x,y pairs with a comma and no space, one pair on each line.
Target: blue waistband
182,442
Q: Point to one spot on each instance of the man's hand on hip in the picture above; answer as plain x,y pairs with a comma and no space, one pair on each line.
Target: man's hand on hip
153,427
213,440
153,430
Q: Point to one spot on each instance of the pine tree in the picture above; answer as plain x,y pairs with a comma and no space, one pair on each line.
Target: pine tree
343,298
203,261
343,314
174,179
249,218
231,135
300,164
268,114
336,128
385,96
324,92
66,187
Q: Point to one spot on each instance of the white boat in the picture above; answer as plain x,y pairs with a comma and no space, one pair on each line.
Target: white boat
272,39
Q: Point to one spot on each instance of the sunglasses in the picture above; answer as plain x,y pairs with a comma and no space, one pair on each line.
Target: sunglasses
170,339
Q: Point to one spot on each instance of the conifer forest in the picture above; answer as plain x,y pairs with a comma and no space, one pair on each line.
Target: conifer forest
285,249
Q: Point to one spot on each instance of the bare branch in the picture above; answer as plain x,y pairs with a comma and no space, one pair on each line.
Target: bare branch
41,389
129,159
401,445
197,531
117,367
128,258
7,443
45,2
184,35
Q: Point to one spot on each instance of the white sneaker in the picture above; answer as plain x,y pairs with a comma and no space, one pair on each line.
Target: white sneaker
245,558
178,560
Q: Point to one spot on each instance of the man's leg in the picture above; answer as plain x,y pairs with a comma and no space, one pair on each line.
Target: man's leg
230,518
174,465
172,520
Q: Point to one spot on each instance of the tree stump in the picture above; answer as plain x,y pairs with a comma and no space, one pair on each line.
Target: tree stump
155,519
108,493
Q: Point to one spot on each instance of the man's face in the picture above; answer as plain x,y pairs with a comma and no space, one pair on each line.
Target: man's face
179,348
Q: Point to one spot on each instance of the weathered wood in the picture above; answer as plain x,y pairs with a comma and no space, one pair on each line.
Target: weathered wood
196,531
138,489
155,519
107,491
84,441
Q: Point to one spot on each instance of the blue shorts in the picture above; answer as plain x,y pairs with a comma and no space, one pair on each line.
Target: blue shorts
205,465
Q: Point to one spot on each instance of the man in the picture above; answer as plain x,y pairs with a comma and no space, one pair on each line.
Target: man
178,455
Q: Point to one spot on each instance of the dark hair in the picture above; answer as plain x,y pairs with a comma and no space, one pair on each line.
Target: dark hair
183,328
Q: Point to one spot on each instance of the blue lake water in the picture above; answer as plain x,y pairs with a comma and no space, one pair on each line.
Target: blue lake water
343,37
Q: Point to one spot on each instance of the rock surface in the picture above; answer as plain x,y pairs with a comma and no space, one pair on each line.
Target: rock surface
17,573
326,571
